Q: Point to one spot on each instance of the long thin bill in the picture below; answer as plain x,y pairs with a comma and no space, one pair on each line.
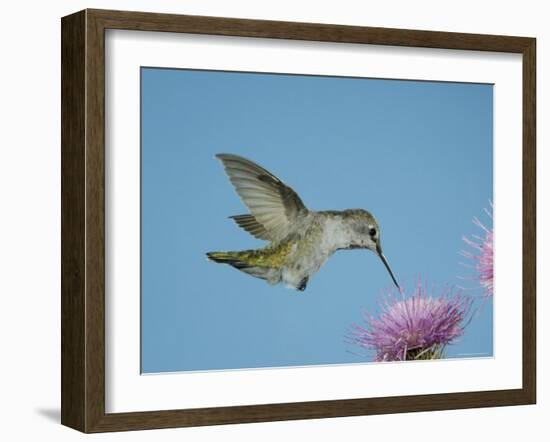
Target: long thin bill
385,261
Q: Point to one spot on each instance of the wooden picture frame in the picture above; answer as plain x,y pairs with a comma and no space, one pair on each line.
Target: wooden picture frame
83,220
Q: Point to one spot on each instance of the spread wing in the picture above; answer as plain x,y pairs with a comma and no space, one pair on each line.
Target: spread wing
274,206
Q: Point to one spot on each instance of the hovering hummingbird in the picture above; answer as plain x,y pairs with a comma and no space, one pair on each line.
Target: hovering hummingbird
300,240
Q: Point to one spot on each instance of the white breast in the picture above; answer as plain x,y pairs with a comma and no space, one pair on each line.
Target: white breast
334,237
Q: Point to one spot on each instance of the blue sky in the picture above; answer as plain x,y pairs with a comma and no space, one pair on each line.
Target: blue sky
417,154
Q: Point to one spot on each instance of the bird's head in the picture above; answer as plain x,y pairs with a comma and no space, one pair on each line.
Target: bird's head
365,234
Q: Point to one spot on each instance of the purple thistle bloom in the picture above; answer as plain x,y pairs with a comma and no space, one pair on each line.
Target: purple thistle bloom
414,327
483,255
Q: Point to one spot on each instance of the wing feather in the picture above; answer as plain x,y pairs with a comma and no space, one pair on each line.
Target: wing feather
249,223
274,206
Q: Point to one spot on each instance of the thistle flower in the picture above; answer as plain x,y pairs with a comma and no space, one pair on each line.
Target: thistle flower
483,255
414,327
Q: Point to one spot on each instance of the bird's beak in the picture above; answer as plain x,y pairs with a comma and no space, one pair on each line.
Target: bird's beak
385,261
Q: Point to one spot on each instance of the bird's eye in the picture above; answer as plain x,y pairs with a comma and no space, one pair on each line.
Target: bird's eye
372,231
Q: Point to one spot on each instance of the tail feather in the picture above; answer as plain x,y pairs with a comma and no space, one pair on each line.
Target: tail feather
231,258
239,260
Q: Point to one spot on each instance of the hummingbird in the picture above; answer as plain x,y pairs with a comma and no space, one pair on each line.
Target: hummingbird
300,240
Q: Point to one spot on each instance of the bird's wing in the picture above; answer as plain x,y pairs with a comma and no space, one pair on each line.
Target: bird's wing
273,204
249,223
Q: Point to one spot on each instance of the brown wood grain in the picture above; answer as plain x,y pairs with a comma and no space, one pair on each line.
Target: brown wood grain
529,221
83,220
73,399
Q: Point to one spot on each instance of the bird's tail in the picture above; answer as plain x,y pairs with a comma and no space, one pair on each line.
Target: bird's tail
232,258
248,261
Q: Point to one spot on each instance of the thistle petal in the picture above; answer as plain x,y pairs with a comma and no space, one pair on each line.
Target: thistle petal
418,326
482,255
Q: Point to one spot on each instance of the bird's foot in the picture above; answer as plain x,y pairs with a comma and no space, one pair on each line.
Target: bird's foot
303,284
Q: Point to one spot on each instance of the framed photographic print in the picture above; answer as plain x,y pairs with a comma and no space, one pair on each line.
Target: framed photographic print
271,220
